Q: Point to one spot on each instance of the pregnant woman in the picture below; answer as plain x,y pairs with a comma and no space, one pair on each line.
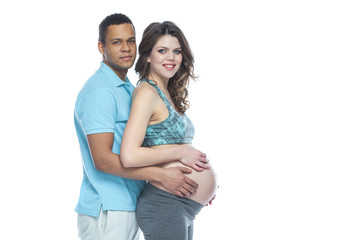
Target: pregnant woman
158,120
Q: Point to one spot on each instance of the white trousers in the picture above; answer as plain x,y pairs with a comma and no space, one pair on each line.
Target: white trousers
110,225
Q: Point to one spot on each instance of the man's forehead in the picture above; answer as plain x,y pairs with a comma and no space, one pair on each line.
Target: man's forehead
123,31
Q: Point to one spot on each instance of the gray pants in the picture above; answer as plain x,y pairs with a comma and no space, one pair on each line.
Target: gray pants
163,216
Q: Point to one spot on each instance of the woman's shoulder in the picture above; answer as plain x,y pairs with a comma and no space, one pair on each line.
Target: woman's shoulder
145,90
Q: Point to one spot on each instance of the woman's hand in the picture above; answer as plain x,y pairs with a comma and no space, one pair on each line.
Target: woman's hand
191,157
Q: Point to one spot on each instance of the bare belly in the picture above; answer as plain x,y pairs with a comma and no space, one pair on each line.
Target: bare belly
206,180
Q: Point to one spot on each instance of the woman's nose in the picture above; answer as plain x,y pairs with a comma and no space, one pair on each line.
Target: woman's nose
170,56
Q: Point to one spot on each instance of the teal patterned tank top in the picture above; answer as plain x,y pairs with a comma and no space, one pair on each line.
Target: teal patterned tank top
175,129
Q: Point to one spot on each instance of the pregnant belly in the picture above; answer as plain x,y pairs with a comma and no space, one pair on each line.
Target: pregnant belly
206,180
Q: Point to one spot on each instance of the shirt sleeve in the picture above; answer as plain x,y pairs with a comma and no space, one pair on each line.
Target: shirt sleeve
96,111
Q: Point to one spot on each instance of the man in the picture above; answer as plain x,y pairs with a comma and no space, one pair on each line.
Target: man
109,192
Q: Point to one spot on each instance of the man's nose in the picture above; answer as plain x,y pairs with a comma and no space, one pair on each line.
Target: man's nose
126,47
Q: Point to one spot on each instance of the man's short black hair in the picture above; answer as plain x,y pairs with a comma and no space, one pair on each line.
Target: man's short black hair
113,19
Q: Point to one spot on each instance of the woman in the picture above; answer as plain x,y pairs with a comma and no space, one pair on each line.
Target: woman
158,120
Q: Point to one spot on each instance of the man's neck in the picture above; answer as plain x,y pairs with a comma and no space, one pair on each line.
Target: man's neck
120,73
122,76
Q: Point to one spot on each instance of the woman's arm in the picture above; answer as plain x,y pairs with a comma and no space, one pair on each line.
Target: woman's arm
133,155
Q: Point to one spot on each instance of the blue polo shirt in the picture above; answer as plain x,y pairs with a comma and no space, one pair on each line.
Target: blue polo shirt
103,105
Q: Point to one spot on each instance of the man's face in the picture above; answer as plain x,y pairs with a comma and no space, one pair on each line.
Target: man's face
119,51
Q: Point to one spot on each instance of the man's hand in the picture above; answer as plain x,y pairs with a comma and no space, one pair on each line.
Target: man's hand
210,202
175,181
193,158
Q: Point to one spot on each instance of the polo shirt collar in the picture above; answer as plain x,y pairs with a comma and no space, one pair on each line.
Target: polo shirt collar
111,75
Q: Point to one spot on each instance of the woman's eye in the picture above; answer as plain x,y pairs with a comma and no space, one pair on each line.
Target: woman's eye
177,51
162,51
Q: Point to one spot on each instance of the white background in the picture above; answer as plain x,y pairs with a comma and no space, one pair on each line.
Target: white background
276,108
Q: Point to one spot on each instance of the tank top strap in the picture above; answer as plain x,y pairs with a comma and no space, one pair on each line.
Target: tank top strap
162,95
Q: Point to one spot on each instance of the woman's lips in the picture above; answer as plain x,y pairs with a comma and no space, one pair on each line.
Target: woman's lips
169,66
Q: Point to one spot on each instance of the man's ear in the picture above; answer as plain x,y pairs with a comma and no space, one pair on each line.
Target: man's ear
101,47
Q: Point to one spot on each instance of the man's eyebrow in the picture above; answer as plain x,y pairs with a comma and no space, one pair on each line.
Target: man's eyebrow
120,39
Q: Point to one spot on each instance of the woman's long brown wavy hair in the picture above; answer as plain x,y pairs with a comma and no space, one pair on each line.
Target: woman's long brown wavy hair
178,84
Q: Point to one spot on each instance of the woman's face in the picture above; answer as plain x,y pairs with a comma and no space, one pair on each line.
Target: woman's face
165,58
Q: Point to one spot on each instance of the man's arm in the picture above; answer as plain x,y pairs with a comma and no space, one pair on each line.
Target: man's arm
173,179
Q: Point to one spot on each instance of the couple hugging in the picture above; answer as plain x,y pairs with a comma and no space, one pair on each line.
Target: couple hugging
139,167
